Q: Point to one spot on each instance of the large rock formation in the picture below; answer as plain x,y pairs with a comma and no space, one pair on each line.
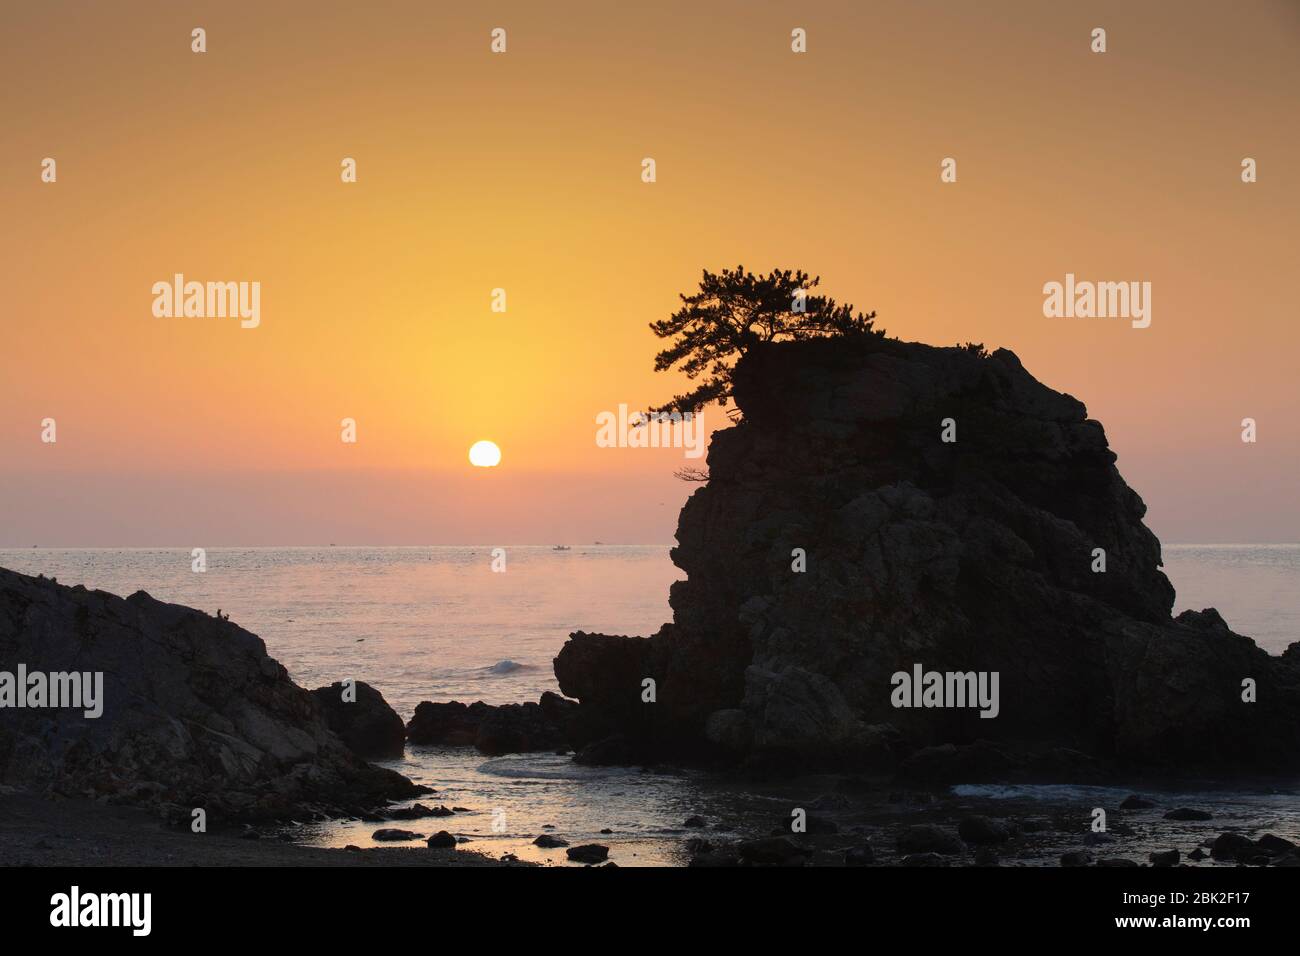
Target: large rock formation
194,712
969,555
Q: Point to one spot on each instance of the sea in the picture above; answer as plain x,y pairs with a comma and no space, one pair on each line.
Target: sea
439,624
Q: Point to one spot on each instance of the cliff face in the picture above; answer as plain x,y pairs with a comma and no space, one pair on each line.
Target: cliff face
194,712
972,555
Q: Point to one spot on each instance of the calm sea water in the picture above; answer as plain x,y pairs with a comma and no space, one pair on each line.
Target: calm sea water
438,624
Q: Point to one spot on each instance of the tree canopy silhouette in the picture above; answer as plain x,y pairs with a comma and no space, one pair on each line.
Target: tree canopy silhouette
733,311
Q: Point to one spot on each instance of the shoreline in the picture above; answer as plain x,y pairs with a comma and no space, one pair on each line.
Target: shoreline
38,831
847,825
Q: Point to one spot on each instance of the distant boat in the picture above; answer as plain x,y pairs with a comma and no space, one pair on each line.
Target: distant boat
561,547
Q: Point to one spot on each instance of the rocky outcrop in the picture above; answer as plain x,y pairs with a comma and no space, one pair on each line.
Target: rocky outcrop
493,729
886,505
362,718
194,713
451,724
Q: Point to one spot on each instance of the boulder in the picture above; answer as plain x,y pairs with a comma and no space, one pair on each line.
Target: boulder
588,853
1276,845
1230,846
194,713
442,840
392,834
366,724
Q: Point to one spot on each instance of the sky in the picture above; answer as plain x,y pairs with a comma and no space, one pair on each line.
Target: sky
523,171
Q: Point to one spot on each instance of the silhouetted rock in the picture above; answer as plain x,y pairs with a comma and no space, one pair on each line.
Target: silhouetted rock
516,728
392,834
442,840
416,811
1076,858
588,853
493,729
1276,845
974,555
1229,846
1164,858
367,724
195,714
548,842
451,724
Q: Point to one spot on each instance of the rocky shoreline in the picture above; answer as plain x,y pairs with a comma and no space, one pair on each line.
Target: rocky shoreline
842,540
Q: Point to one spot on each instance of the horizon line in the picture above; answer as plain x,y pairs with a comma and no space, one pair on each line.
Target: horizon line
551,545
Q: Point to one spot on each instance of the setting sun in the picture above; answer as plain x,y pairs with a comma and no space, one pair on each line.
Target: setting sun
484,454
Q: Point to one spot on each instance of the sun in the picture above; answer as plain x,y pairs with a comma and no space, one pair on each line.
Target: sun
484,454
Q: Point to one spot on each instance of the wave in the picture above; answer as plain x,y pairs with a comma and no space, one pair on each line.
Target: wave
507,667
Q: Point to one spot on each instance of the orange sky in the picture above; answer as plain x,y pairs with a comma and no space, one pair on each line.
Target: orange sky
522,171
